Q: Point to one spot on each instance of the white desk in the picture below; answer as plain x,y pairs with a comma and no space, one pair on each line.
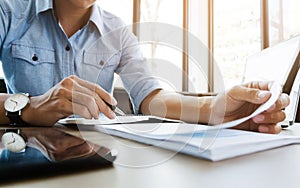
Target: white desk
274,168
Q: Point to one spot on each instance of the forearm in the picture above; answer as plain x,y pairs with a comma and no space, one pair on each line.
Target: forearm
27,114
176,106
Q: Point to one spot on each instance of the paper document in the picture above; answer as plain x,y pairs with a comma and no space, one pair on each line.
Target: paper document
275,92
118,120
198,140
209,142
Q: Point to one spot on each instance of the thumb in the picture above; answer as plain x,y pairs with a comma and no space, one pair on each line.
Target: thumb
252,95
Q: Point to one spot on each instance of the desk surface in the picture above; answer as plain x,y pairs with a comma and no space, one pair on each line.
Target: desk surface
141,165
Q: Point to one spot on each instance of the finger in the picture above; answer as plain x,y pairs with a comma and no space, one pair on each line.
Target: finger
252,95
93,101
80,86
282,102
81,110
106,110
270,129
73,84
77,97
261,85
66,108
87,101
83,96
99,91
269,118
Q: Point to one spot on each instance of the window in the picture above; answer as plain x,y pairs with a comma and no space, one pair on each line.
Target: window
284,20
120,8
230,29
237,35
168,68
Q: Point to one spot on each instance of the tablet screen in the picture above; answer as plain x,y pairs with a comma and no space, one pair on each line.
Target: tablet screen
279,63
47,151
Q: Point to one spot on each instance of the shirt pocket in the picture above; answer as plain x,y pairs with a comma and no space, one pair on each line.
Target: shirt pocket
100,67
34,68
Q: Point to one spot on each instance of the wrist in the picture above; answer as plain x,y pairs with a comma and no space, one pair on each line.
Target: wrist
28,113
14,106
36,114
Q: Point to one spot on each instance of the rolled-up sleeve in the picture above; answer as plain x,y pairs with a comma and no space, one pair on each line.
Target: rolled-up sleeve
134,71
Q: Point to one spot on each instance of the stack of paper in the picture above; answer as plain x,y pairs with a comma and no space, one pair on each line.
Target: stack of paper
199,140
209,142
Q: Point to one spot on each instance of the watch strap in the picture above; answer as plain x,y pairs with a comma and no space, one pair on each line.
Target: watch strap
15,118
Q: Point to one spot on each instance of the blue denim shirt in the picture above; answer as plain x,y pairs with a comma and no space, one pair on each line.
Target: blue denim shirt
36,54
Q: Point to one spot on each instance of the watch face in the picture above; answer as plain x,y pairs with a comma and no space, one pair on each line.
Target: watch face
16,102
13,142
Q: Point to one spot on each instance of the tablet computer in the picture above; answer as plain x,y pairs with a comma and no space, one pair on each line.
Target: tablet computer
279,63
35,152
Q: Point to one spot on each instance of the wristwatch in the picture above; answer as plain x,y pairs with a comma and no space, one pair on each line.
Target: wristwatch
14,140
14,105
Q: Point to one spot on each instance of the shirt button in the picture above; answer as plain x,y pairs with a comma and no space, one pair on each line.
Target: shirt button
68,48
101,63
35,58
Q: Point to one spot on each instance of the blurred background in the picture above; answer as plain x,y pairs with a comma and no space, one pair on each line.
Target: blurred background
230,29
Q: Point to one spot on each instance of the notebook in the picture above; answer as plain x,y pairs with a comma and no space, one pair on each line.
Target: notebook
279,63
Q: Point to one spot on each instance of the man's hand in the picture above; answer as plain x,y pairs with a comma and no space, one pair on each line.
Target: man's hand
71,96
242,100
57,145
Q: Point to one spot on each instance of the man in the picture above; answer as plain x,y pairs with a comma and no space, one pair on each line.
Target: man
64,54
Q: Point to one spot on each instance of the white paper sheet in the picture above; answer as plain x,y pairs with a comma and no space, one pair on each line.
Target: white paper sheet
118,120
275,93
104,120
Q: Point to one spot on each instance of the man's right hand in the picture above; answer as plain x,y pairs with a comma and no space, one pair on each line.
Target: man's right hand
71,96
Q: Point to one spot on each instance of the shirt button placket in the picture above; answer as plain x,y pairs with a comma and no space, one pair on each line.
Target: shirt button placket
68,69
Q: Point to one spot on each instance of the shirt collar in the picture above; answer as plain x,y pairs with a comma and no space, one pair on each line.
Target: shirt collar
97,18
96,15
44,5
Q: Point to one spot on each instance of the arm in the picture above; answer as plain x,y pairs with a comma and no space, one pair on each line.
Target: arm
3,30
176,106
238,102
71,96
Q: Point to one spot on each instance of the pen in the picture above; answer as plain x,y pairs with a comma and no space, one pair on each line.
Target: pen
115,109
